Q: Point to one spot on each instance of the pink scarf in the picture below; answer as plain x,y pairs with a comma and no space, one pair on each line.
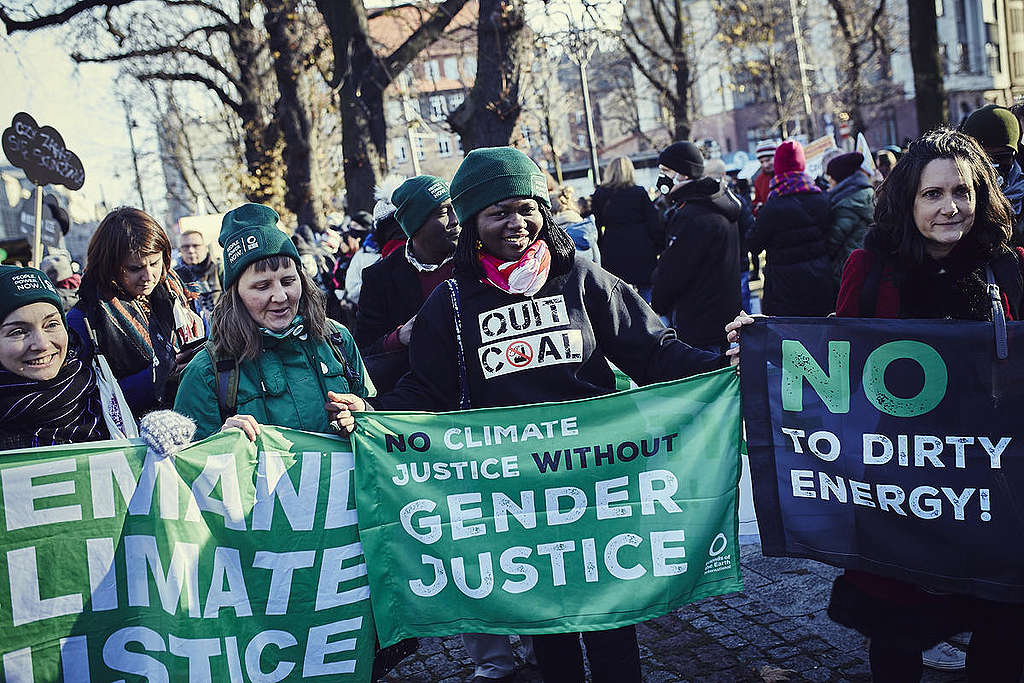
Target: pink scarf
525,276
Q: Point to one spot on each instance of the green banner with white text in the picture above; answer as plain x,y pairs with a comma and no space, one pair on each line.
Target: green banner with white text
228,561
550,518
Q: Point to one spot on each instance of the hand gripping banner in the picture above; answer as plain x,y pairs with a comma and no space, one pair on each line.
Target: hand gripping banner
551,518
890,446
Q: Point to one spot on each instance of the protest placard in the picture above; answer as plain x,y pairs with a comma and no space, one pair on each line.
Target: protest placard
889,446
228,561
550,518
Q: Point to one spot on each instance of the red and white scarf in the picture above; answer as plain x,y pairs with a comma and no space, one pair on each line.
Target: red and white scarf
525,276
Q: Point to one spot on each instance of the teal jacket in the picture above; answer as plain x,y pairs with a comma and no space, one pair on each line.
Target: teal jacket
286,386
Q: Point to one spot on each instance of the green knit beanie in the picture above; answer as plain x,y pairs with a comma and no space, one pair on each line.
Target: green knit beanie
415,199
23,286
491,174
250,233
993,126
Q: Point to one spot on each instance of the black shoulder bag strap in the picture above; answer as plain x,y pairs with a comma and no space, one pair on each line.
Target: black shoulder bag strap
453,289
998,315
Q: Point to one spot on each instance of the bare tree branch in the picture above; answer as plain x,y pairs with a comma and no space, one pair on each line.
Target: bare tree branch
192,77
57,18
161,51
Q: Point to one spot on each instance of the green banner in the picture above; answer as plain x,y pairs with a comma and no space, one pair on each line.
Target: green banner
553,517
229,561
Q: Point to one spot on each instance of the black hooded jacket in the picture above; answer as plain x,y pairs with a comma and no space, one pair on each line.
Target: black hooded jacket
697,281
798,278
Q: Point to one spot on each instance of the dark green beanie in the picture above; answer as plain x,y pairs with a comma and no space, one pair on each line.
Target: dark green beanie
491,174
23,286
250,233
415,199
993,126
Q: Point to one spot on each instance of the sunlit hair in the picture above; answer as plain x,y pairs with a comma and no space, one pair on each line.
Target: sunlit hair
619,173
124,232
236,335
563,197
563,251
894,211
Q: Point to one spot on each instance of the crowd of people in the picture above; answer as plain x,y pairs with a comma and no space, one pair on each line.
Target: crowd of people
304,330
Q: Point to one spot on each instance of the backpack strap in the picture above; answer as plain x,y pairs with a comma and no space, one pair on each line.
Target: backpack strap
226,384
336,340
1007,271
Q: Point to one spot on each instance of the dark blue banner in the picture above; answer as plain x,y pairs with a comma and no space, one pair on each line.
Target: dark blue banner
890,446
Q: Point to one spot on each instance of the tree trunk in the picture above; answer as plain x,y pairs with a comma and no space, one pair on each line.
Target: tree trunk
681,101
363,142
490,112
293,118
929,91
246,42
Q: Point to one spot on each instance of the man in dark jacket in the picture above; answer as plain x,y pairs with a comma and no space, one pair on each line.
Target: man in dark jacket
851,205
395,287
199,271
697,281
998,132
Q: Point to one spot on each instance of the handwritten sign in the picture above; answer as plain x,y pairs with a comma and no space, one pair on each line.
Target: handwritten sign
41,153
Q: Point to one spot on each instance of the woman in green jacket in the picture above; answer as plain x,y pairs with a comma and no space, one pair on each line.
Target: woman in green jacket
270,335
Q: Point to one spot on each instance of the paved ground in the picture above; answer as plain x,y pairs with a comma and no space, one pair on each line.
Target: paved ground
776,630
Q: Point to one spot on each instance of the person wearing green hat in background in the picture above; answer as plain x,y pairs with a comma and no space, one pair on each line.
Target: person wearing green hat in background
48,392
997,130
270,330
511,252
395,287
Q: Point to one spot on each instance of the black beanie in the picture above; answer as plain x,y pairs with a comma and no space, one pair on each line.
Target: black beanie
844,165
683,157
993,126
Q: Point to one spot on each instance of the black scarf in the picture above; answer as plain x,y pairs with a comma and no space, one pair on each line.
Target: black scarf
65,409
953,287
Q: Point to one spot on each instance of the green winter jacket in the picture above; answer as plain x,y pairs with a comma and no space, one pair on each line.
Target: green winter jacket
852,210
286,387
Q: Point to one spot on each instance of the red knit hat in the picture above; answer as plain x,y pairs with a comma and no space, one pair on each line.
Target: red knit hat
789,158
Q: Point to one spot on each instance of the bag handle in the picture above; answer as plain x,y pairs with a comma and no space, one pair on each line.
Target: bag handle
464,402
998,315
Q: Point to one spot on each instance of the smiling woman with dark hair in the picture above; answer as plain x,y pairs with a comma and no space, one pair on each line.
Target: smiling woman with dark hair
475,343
940,242
48,392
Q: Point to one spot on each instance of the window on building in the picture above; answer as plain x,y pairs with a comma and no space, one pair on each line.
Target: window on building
1017,59
469,67
458,143
1017,20
456,100
438,107
444,146
525,132
579,116
421,153
581,140
400,149
432,69
451,68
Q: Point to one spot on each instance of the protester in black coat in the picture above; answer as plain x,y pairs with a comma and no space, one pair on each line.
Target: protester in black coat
697,281
629,226
791,227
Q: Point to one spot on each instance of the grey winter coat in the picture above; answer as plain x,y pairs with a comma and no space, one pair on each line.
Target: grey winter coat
851,208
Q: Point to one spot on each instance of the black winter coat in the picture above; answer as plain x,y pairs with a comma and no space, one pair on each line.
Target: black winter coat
630,227
391,294
697,281
554,346
792,230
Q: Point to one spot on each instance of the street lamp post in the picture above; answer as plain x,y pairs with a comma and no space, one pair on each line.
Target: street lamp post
580,51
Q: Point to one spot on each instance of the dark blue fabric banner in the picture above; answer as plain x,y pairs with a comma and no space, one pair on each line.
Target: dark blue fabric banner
890,446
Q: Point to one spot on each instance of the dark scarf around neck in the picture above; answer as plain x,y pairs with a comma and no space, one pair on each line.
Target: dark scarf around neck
65,409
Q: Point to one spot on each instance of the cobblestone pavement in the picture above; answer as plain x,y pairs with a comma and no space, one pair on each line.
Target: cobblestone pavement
775,630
